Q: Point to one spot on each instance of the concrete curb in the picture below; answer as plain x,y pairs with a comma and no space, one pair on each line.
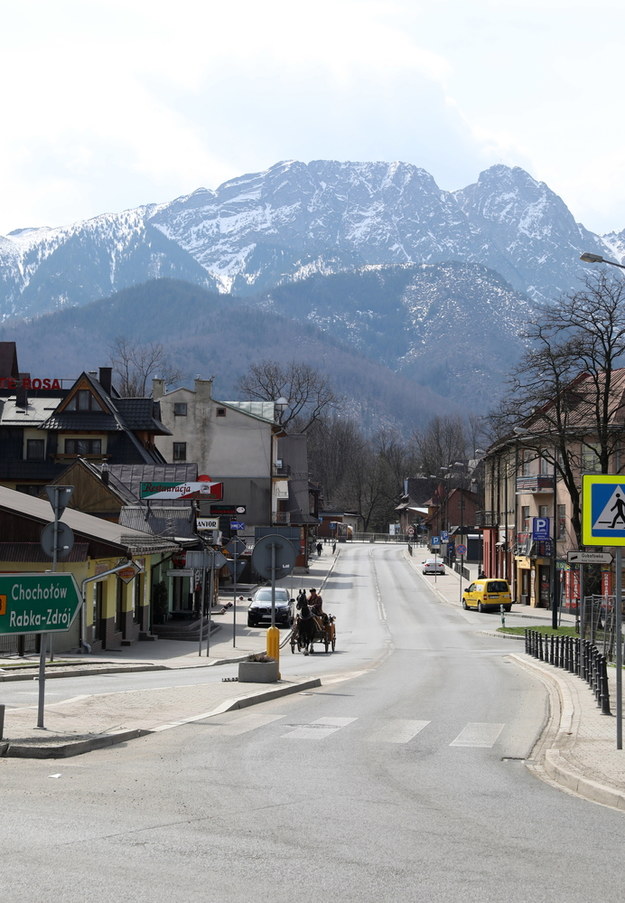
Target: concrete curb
560,771
72,748
31,672
558,738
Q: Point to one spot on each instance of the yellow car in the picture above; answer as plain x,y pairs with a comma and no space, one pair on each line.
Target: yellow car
488,592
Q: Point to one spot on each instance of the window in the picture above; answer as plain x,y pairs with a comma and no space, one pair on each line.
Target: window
543,511
180,409
546,467
525,519
590,459
35,449
83,400
180,451
220,412
30,488
527,457
83,447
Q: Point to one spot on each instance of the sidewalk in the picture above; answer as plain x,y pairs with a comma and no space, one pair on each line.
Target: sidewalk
577,750
91,722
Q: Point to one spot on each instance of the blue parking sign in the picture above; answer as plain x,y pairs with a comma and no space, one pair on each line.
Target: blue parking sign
541,529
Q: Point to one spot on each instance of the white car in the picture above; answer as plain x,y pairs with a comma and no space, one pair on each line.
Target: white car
433,566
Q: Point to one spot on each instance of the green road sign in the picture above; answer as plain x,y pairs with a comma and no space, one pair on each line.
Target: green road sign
38,603
603,510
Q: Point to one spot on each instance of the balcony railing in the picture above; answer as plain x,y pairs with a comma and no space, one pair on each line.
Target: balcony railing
281,470
535,483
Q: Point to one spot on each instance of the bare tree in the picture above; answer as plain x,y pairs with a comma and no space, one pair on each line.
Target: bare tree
442,442
133,365
567,391
308,392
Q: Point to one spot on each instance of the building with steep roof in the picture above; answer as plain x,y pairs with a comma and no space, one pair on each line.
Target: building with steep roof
45,424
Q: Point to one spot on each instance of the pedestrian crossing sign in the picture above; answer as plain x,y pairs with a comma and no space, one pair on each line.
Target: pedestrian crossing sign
603,510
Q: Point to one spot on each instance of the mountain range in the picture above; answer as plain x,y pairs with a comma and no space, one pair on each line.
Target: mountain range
433,286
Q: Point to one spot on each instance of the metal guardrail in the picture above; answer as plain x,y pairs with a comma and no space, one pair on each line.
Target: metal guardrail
382,537
575,655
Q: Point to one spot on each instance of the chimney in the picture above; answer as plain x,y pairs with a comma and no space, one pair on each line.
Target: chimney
158,388
203,389
106,379
21,393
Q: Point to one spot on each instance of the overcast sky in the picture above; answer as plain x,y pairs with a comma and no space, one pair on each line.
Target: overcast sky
113,104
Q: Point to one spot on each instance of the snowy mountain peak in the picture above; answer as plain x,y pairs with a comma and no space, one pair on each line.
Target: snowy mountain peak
268,228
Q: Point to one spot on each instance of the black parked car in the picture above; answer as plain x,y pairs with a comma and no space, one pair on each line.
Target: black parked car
260,607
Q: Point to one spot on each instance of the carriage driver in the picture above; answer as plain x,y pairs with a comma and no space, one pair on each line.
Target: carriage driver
315,603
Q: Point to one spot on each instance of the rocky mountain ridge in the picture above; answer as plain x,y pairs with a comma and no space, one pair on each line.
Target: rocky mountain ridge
271,228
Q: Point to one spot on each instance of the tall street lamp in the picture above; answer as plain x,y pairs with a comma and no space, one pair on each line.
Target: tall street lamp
588,257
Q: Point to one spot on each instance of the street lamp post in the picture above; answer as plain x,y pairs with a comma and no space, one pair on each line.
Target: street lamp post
588,257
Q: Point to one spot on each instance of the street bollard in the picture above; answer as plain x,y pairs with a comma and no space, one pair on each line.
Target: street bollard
503,615
1,722
273,645
605,690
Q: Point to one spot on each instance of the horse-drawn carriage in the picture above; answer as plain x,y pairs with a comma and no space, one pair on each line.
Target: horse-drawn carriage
314,629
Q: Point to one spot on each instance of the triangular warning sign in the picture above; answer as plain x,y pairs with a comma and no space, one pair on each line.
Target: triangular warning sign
612,516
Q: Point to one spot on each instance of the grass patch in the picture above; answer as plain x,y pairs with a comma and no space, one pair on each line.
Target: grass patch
540,628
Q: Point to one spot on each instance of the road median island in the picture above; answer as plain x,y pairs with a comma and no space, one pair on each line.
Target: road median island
86,723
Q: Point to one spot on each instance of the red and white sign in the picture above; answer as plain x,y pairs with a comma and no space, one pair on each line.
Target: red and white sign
205,489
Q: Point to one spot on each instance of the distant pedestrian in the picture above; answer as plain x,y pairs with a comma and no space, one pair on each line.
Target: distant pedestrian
482,574
319,548
333,548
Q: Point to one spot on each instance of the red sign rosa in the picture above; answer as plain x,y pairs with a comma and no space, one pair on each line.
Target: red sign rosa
10,382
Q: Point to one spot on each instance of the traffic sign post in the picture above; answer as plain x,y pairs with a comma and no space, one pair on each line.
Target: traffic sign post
461,550
603,524
236,547
273,556
38,603
57,541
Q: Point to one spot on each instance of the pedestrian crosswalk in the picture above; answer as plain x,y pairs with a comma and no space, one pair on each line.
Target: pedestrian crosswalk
477,735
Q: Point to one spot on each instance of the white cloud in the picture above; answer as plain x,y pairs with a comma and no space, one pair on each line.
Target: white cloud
115,103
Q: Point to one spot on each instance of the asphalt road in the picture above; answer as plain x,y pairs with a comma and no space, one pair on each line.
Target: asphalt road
402,782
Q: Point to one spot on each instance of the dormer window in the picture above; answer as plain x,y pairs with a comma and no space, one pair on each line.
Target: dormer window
83,400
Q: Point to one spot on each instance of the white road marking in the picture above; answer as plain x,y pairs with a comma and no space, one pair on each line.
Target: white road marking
398,730
481,734
243,724
319,729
